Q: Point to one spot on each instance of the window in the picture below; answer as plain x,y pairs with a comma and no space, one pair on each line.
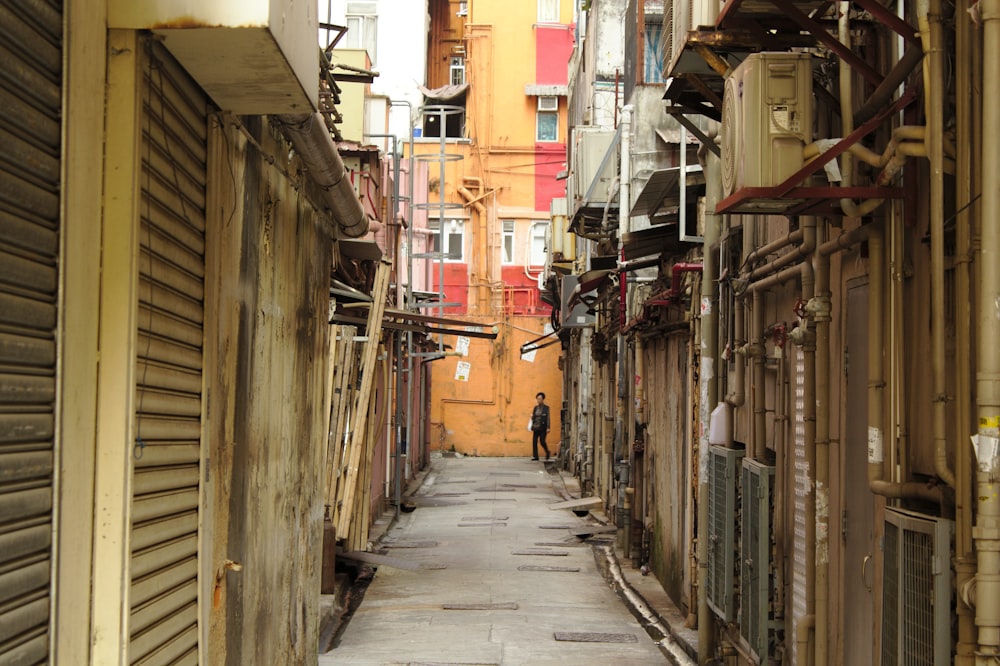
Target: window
361,22
507,249
457,70
548,11
454,239
538,253
653,51
546,126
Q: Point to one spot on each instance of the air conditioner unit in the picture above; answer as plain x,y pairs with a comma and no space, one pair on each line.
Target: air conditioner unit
766,120
916,589
548,103
593,167
723,480
756,573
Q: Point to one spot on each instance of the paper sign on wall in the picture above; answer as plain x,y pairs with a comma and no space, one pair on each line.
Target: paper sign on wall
462,371
462,345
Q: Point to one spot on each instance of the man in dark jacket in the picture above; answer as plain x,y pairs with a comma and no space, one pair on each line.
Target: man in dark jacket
539,426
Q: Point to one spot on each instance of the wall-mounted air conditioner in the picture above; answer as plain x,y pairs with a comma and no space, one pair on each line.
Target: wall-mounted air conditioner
593,167
548,103
916,589
756,574
766,120
723,482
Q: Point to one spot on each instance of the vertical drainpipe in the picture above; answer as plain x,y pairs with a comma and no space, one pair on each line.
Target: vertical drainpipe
755,352
624,204
964,561
987,531
877,383
709,385
935,136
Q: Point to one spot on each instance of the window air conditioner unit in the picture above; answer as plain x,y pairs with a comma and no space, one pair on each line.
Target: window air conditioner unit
756,573
548,103
916,589
724,466
767,115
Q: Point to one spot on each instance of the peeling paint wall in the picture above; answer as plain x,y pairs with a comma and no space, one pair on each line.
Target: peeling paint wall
265,425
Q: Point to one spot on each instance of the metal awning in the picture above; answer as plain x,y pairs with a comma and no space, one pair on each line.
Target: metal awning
661,194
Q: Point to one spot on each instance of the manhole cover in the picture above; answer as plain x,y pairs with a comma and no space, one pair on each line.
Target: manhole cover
482,524
479,518
410,544
499,606
593,637
505,474
541,567
518,485
540,551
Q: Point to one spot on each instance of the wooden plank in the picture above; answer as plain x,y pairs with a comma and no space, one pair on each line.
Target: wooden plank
582,503
328,391
346,416
343,394
364,392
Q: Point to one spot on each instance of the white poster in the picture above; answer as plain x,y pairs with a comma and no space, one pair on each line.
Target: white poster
462,371
462,345
529,356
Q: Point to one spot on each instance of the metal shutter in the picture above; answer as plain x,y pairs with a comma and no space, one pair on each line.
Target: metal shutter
30,155
163,626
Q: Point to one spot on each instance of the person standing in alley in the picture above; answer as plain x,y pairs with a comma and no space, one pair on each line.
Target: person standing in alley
539,426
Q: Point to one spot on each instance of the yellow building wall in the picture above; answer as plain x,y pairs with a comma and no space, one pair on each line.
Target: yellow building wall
352,95
488,414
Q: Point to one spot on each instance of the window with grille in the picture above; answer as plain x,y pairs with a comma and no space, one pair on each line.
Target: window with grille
457,70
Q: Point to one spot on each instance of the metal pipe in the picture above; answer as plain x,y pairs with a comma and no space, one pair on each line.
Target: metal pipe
755,351
876,382
987,531
964,568
934,64
709,384
312,141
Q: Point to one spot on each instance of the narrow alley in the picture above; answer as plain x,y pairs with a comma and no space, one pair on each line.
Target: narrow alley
489,571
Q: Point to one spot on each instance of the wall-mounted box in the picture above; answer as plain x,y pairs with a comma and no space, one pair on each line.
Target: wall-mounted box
253,57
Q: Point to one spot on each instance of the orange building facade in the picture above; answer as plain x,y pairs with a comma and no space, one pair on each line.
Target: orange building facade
496,89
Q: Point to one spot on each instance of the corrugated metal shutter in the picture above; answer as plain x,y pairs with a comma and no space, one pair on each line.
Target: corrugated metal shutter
30,156
799,554
163,625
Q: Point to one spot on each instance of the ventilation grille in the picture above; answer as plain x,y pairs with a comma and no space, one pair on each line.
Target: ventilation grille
723,479
755,557
916,590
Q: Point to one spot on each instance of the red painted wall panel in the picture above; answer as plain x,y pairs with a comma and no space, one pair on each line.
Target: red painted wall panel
550,159
553,46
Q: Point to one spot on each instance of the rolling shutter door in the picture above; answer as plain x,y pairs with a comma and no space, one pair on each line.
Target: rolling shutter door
30,101
163,626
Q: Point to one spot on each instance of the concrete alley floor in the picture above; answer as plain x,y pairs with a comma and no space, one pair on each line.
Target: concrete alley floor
501,579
